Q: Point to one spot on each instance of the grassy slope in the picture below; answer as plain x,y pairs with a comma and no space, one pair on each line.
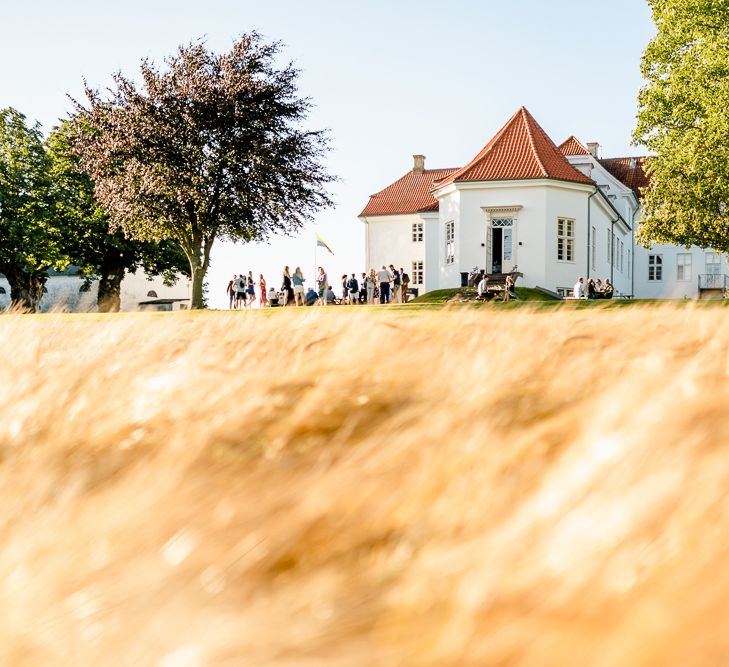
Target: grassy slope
350,487
525,294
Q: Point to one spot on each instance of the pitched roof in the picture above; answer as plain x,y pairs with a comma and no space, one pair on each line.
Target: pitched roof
573,146
409,194
519,150
629,171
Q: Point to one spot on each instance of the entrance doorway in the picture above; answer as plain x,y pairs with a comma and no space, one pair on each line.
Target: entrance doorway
500,246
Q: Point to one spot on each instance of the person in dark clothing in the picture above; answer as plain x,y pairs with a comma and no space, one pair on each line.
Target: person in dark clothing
353,287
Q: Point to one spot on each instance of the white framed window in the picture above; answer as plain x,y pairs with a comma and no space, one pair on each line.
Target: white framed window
713,263
622,256
417,273
450,242
565,240
609,246
655,267
417,232
593,252
565,291
683,266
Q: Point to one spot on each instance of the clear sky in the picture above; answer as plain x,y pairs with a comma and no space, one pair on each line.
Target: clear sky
389,79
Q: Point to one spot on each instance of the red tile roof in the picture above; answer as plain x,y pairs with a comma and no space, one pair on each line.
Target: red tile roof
519,150
629,171
573,146
409,194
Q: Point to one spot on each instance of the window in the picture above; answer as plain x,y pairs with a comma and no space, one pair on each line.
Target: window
565,240
450,247
416,273
622,256
594,248
565,291
655,267
417,232
713,263
610,246
683,266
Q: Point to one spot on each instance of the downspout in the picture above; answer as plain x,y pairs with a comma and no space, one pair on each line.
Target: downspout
367,246
613,243
589,229
632,258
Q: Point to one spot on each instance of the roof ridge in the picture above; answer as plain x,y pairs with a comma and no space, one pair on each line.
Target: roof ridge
527,116
624,157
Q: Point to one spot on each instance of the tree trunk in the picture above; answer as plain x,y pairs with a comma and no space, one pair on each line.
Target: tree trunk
109,297
197,273
26,290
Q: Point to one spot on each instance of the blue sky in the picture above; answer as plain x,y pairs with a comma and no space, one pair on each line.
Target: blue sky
388,79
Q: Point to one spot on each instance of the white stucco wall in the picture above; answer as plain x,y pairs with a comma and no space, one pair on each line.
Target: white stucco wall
535,206
670,287
390,241
63,293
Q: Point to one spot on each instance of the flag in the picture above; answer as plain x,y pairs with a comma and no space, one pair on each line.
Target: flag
320,242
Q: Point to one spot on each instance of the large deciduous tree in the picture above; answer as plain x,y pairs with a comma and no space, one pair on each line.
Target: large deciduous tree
209,147
31,241
683,119
98,251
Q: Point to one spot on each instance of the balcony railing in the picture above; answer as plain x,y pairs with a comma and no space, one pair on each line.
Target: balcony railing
713,281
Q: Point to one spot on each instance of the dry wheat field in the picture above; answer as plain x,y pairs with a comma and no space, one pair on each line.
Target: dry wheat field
337,488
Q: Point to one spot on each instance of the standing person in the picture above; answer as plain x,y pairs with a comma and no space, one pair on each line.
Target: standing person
370,284
262,287
298,280
578,291
396,284
405,279
383,275
363,289
231,292
322,282
288,291
251,290
353,286
345,289
240,292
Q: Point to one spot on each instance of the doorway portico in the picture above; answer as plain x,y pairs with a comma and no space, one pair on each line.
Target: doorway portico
501,238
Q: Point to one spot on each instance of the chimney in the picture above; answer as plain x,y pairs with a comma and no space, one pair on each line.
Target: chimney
418,164
594,149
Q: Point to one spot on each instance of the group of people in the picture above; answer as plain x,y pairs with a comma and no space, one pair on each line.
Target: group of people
592,289
388,285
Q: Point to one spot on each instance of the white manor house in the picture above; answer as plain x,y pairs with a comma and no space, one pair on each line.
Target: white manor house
556,213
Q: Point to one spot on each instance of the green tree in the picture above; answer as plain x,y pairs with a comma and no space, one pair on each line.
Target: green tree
98,251
210,148
31,242
683,121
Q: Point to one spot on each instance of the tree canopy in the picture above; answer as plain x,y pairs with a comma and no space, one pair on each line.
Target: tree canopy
98,251
210,147
31,241
683,121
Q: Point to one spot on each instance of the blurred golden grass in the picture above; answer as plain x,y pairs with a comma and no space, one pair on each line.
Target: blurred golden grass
365,488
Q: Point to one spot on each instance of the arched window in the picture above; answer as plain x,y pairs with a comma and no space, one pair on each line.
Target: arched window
152,294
